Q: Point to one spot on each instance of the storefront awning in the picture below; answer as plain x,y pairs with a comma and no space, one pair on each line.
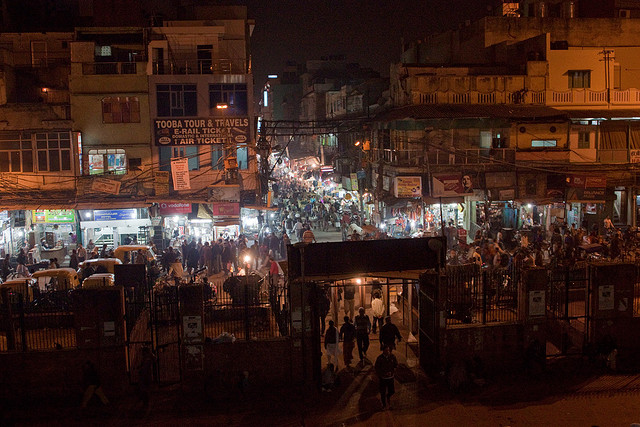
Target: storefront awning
11,205
226,222
443,200
260,208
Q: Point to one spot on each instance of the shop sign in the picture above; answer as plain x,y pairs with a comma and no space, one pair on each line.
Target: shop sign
225,209
174,208
507,194
104,185
202,131
192,329
224,193
586,188
386,183
452,185
180,174
361,174
354,181
161,183
346,183
408,186
114,214
537,305
54,216
634,156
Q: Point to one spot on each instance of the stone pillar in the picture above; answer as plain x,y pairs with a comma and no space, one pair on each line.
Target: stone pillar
191,299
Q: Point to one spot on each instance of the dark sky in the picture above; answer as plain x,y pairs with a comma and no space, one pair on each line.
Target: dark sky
367,32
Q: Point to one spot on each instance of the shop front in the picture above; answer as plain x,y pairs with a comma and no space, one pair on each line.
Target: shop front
54,230
115,227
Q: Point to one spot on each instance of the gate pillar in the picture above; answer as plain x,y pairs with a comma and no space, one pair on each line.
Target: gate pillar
532,312
191,299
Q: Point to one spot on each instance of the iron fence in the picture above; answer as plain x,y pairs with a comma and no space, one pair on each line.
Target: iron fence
29,327
249,308
480,295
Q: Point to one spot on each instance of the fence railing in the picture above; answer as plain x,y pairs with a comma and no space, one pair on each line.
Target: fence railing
249,308
29,327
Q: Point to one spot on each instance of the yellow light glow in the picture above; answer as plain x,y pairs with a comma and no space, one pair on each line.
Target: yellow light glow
247,259
359,281
222,106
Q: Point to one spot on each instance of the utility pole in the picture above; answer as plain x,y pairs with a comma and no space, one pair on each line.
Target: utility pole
607,58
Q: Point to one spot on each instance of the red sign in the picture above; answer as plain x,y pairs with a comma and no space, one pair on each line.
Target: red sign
174,208
225,209
578,181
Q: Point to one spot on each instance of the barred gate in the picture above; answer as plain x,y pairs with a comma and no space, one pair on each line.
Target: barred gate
568,310
429,322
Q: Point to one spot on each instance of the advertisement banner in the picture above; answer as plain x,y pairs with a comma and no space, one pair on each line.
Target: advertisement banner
354,181
634,156
161,183
586,188
180,174
165,209
54,216
452,185
408,186
105,185
224,193
114,214
201,131
225,209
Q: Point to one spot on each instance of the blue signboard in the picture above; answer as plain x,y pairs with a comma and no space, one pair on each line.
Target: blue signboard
114,214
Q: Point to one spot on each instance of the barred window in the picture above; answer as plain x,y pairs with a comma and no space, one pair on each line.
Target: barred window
35,152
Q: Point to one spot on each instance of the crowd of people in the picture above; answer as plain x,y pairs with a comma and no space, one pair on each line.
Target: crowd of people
562,245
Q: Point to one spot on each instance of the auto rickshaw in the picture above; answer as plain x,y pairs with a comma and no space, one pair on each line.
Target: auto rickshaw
57,279
121,252
98,265
99,280
23,286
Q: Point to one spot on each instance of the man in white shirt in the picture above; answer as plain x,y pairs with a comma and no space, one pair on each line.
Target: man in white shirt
377,307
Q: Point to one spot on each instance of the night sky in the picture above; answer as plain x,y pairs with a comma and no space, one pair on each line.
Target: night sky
367,32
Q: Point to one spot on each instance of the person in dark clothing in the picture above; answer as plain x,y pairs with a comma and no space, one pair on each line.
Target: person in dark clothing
363,328
388,334
103,252
348,337
6,267
324,303
349,300
73,259
91,380
145,375
385,366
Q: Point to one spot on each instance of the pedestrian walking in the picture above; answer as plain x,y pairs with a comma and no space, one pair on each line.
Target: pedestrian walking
91,379
388,334
363,328
348,337
385,366
308,236
331,343
349,300
377,308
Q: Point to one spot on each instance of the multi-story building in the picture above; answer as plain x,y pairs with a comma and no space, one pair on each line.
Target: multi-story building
525,107
98,122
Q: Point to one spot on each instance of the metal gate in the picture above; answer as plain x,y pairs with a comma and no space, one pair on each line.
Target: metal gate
569,310
429,318
152,320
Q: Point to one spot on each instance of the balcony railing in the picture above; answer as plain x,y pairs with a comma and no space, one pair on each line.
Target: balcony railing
613,156
105,68
472,156
201,66
574,97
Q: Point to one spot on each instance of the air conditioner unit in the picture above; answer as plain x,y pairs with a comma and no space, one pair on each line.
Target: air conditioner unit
624,13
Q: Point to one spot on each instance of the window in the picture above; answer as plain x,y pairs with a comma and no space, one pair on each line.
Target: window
243,157
177,100
16,152
579,79
113,160
543,143
584,139
189,151
121,110
234,96
53,151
